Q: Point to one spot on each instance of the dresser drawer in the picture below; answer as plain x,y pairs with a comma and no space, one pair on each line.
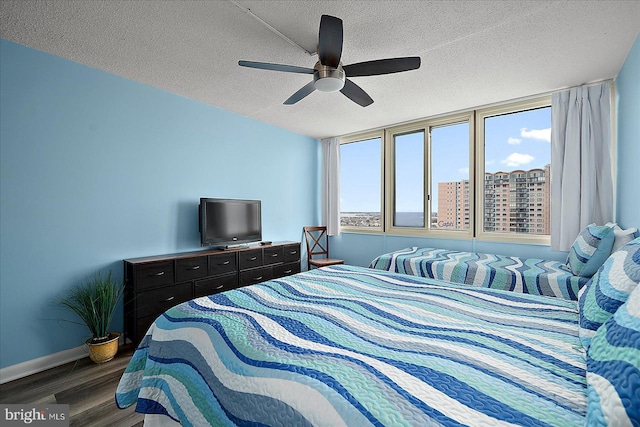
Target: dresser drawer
222,263
158,300
215,285
250,259
191,268
154,274
256,275
291,253
273,255
286,269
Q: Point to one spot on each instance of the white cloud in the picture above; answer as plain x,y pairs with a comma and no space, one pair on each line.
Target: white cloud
514,141
464,171
489,162
541,134
516,160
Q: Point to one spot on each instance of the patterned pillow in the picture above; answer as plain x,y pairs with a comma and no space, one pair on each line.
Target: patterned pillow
613,368
608,289
590,250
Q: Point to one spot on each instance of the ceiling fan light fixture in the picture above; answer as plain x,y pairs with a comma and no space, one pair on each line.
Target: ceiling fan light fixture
329,79
329,75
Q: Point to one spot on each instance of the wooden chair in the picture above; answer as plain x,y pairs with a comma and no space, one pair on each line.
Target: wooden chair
318,244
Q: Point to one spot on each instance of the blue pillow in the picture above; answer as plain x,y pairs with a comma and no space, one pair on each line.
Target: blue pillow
613,368
608,289
591,248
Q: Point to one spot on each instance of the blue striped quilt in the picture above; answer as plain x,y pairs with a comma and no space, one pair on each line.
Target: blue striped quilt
531,276
351,346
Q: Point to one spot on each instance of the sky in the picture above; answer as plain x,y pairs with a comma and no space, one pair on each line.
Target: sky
512,141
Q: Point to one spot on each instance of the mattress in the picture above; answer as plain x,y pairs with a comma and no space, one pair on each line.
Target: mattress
527,275
351,346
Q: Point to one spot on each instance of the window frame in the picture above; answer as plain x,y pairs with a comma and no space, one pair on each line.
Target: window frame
475,117
361,137
390,174
389,179
481,115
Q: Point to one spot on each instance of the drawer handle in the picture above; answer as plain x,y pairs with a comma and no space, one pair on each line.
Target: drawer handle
293,252
170,298
158,274
219,287
274,255
197,267
225,263
288,271
257,279
253,258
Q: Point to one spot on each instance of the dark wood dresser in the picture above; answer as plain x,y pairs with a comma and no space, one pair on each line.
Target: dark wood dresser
154,284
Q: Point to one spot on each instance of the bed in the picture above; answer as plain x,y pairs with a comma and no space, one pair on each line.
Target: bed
352,346
527,275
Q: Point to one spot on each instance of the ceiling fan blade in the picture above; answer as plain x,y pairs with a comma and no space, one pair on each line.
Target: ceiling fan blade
304,91
382,66
356,94
276,67
330,41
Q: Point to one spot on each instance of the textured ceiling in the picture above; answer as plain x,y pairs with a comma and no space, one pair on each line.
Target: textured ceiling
473,52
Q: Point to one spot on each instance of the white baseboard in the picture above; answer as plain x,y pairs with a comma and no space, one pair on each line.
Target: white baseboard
43,363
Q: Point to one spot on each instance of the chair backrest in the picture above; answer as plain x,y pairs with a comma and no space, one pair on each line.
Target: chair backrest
317,241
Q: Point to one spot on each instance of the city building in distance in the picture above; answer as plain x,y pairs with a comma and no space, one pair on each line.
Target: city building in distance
514,202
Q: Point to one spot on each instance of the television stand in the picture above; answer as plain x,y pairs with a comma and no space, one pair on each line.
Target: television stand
155,283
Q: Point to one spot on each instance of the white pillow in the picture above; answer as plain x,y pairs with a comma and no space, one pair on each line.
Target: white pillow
622,237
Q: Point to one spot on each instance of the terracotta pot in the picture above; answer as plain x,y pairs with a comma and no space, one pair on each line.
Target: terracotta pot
104,351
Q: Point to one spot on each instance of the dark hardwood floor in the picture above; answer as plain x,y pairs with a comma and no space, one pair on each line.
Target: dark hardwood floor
87,387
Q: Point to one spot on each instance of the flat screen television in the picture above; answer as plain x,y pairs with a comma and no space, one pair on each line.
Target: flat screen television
229,222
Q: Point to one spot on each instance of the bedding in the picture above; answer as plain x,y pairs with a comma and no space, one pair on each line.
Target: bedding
613,368
351,346
531,276
608,289
591,248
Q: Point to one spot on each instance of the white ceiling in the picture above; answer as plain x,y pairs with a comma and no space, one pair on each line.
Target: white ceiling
473,53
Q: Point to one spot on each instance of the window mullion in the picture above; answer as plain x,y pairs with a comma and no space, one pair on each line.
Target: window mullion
427,179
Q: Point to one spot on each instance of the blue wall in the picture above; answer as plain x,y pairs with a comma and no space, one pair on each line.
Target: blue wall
628,129
96,168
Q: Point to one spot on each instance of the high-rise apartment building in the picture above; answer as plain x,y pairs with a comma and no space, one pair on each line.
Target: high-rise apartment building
514,202
453,205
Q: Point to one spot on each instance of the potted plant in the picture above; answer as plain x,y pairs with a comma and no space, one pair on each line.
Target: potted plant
94,301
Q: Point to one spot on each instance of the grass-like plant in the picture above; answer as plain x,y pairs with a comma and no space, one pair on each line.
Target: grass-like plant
94,301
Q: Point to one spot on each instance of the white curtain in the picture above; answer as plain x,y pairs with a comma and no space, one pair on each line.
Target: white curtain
581,173
331,185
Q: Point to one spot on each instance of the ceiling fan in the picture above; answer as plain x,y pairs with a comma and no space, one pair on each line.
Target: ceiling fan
329,75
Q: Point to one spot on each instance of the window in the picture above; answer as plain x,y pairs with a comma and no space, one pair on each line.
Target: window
483,173
409,179
429,184
450,188
361,183
513,146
